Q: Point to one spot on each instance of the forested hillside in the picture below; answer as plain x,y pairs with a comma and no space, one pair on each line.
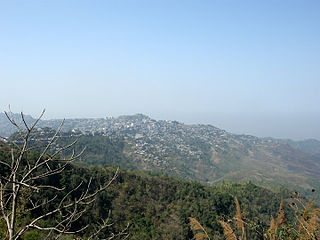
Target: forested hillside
158,207
153,203
199,153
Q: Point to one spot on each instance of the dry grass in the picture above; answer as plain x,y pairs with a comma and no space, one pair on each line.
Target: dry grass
306,225
227,231
238,218
196,227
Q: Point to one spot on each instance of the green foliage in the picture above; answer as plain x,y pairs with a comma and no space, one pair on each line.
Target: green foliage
303,225
157,206
32,235
100,150
3,229
233,158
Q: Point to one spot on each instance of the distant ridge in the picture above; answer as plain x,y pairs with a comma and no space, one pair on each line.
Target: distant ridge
6,128
311,146
197,152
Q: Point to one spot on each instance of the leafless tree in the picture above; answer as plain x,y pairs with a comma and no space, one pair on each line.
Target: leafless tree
22,175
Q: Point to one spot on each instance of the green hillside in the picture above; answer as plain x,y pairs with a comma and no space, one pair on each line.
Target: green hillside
196,153
158,207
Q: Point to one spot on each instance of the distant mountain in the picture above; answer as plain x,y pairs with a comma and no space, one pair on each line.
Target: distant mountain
6,128
311,146
197,152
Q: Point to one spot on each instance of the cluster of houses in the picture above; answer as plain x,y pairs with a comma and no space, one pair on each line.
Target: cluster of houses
155,141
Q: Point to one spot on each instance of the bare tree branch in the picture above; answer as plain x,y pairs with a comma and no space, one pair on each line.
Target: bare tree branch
24,175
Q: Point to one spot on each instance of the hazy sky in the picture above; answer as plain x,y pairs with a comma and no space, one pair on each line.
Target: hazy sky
245,66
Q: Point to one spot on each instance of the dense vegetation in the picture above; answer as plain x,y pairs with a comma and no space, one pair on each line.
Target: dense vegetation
266,164
154,205
198,152
158,207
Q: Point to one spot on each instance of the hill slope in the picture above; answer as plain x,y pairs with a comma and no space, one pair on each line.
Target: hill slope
155,206
196,152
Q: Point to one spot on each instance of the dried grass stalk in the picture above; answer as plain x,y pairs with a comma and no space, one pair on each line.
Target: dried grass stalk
196,226
200,236
238,218
313,224
303,220
280,218
227,231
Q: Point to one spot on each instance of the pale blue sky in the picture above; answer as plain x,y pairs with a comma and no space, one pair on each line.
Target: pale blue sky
245,66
